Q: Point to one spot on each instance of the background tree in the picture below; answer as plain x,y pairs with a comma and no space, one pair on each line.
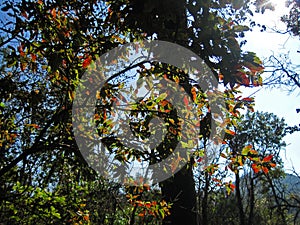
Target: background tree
255,137
292,20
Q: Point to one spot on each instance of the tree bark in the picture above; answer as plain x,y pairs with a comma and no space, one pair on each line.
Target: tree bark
180,190
239,199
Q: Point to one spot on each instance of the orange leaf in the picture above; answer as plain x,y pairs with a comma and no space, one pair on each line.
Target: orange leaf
268,158
33,57
33,125
194,94
53,13
142,214
23,66
86,217
265,169
87,62
20,48
163,102
255,168
230,132
221,77
98,96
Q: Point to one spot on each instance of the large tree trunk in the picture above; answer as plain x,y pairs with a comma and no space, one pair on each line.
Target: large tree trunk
180,190
168,20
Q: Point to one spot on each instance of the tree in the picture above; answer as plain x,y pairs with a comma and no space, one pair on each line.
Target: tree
256,131
51,44
292,20
253,196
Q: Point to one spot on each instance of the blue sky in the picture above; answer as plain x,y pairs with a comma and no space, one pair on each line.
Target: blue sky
277,100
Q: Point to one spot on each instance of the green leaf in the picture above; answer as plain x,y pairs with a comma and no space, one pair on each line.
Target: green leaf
161,97
246,150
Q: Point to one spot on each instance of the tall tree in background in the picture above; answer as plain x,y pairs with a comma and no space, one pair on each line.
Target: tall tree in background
292,20
256,131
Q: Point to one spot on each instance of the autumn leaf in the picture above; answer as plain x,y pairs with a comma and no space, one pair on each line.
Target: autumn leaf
87,62
148,205
243,78
33,125
194,94
254,67
246,150
230,132
268,158
164,103
142,214
255,168
33,57
53,13
223,155
21,51
253,152
232,186
221,77
248,99
24,14
200,159
86,217
265,169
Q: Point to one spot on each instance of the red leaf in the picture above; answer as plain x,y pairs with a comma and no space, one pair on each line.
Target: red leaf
248,99
22,53
24,14
268,158
232,186
200,159
33,57
265,169
148,205
87,62
255,168
245,80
